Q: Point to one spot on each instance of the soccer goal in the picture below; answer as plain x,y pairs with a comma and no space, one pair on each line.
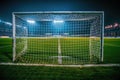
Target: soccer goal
58,37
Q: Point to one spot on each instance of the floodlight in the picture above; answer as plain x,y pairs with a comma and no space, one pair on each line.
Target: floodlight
31,21
8,23
58,21
24,27
18,26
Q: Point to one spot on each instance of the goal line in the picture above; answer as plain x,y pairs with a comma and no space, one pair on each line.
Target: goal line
51,65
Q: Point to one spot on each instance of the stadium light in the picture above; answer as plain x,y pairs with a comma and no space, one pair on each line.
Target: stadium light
58,21
31,21
8,23
24,27
18,26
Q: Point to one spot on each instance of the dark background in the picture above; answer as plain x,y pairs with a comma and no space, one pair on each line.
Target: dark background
110,7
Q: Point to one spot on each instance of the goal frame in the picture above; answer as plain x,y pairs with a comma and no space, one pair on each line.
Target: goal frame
101,35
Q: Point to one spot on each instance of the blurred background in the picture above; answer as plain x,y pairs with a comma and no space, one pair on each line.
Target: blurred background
110,8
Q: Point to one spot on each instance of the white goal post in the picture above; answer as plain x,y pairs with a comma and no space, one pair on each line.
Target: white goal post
58,37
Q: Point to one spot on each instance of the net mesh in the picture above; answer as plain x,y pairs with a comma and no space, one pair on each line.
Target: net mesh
75,38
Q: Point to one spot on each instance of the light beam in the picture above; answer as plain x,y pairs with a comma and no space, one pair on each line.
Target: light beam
58,21
31,21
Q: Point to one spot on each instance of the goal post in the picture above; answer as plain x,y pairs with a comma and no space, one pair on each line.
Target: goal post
20,34
14,38
58,37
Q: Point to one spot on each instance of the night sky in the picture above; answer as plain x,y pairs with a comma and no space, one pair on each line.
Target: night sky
110,7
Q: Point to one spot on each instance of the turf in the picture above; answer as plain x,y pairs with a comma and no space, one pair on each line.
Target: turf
111,55
75,51
111,49
58,73
5,50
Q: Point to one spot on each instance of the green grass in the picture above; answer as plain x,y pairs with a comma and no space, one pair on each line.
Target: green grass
77,50
5,50
42,50
111,55
58,73
112,50
48,47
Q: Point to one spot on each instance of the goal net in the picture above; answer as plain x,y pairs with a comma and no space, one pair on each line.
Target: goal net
58,37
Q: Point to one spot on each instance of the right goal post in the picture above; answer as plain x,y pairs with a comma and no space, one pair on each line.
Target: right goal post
58,37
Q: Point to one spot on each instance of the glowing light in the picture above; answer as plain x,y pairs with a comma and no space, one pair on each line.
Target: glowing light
116,24
31,21
18,26
108,27
7,23
0,20
24,27
58,21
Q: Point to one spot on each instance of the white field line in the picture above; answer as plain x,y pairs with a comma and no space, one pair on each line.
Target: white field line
53,65
59,52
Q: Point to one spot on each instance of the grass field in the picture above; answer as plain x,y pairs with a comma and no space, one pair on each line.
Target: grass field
58,73
111,49
5,50
45,50
111,55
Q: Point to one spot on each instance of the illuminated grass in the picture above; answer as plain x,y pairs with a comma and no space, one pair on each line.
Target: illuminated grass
45,50
111,55
111,49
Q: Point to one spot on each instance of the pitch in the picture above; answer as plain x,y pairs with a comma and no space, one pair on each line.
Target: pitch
111,49
111,55
45,50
